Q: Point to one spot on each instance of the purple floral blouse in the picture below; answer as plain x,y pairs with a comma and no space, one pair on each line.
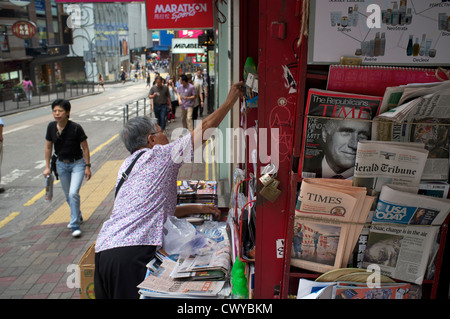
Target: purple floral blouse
146,199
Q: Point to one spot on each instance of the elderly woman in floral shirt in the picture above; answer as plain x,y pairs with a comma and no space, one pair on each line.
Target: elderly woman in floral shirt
129,238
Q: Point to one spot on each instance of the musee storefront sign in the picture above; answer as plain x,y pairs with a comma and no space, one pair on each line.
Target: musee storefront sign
186,45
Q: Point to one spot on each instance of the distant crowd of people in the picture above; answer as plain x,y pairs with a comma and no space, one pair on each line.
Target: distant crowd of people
188,93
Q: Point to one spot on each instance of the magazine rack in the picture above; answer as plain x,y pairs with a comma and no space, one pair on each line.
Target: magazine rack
316,76
284,80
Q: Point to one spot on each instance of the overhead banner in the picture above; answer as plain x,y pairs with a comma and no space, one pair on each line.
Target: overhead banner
179,14
186,45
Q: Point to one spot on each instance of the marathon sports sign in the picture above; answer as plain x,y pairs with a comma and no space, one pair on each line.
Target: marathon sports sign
186,45
179,14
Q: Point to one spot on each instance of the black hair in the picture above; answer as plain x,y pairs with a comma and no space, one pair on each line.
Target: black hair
63,103
184,78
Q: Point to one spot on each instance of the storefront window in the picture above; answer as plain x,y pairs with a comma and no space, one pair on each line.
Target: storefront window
54,8
58,73
42,32
56,32
40,7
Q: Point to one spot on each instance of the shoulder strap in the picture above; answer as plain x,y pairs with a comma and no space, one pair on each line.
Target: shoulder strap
127,172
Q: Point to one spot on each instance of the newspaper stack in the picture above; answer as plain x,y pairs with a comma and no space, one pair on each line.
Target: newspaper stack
418,113
404,232
195,276
329,216
380,163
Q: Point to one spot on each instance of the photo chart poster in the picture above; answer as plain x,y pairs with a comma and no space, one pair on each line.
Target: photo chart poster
403,32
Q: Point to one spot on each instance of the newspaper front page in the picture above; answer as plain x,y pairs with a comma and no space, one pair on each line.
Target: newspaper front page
380,163
422,115
327,216
403,231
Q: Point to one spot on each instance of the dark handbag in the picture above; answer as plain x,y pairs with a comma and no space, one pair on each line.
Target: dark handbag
53,165
126,173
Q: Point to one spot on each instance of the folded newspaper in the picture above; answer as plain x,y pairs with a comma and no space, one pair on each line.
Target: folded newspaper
159,284
329,215
418,113
196,276
404,229
308,289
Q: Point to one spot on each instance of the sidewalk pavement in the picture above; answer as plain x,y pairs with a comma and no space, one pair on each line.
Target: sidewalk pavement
34,262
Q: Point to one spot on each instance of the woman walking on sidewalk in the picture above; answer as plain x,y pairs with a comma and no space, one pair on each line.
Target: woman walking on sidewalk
28,87
72,158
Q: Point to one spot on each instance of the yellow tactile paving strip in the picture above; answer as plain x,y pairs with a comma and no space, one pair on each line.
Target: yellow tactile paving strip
92,194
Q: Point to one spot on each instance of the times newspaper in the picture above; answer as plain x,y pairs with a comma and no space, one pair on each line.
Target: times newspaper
333,122
418,113
329,216
404,229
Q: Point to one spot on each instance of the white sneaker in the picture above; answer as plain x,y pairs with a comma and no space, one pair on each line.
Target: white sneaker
76,232
70,227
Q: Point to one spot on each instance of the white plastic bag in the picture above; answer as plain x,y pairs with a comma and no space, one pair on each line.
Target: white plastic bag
181,237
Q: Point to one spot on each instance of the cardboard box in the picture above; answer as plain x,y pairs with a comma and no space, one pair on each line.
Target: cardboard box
87,267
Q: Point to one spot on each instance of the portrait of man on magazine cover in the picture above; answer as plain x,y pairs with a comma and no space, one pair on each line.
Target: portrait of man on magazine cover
340,141
335,123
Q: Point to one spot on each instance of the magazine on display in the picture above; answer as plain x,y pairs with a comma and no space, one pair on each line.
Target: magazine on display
329,147
418,113
197,192
403,231
329,215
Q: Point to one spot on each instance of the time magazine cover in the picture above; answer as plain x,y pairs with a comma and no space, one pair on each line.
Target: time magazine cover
334,124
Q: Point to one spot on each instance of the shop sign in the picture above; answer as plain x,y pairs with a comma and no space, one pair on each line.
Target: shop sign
179,14
186,46
24,29
20,3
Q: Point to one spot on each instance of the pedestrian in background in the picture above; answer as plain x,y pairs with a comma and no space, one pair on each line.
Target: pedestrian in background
100,82
173,96
160,96
72,158
186,96
28,87
198,101
2,190
148,78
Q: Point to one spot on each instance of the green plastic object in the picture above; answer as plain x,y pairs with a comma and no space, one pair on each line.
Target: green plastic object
239,287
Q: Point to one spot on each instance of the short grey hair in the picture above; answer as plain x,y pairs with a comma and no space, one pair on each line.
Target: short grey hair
136,131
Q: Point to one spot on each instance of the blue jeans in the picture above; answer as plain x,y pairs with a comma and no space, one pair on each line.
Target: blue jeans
71,175
161,114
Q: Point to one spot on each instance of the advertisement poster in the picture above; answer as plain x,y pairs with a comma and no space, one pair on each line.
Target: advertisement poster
403,32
